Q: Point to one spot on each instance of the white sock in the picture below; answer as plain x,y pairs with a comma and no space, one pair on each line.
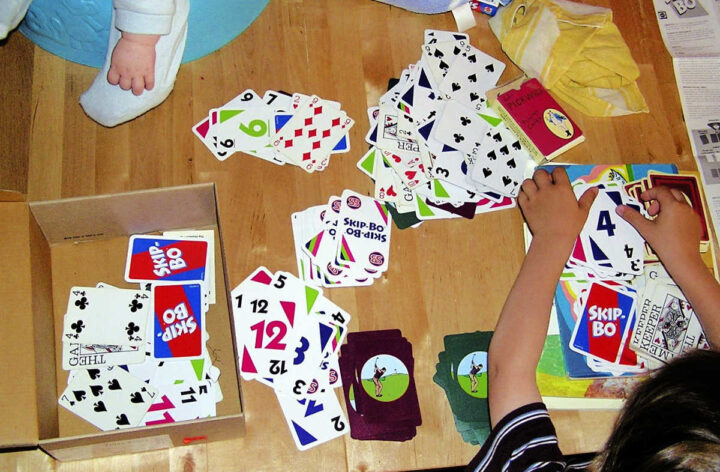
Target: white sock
110,105
11,14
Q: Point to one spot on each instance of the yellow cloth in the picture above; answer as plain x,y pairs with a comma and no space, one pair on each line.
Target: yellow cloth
574,50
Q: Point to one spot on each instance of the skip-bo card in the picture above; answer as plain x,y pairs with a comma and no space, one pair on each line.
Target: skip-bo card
364,230
160,258
178,321
602,327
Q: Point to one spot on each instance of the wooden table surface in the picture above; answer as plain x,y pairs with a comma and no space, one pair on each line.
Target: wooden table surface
445,277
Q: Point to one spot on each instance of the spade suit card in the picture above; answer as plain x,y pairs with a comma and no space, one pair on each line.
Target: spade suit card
109,398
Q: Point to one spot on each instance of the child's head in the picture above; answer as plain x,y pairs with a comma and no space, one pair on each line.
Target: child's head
671,422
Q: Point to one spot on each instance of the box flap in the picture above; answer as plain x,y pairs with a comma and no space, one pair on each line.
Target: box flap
144,211
18,408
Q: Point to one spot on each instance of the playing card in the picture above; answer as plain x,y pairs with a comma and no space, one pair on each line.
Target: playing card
102,316
470,76
309,136
364,231
109,398
460,127
603,325
182,402
83,356
159,258
178,321
315,421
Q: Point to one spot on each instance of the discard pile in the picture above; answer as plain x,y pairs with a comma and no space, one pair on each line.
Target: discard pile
438,150
288,335
297,129
138,357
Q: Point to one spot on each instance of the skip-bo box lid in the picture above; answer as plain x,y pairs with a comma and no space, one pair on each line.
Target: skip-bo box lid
38,240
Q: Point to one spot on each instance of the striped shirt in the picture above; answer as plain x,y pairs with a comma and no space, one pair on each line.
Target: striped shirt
524,440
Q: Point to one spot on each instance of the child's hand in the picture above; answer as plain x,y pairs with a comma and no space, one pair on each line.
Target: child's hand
550,207
675,234
132,65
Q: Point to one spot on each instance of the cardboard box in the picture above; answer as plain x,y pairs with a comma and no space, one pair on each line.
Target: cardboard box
48,247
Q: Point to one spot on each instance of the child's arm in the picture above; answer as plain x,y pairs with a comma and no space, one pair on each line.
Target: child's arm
555,218
675,237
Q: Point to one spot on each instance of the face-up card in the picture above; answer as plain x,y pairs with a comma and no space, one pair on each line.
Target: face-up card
178,321
610,241
109,398
249,129
470,76
159,258
501,161
315,421
103,316
204,128
432,36
311,134
82,356
182,402
460,127
439,56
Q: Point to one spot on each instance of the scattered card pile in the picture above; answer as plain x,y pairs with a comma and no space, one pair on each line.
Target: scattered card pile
629,314
138,357
437,149
288,335
379,386
283,129
462,372
344,243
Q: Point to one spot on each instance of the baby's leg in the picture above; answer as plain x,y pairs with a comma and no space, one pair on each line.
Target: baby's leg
11,14
110,104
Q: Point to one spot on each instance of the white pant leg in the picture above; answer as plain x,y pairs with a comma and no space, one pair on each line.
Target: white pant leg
11,14
110,105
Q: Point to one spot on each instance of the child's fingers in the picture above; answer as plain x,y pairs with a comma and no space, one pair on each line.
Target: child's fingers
138,85
528,188
639,222
587,198
113,76
149,81
542,178
560,177
662,194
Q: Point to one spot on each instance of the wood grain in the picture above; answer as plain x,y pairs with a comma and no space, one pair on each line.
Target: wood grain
445,277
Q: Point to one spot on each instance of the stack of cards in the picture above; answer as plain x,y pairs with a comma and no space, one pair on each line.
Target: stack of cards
288,335
344,243
280,128
462,372
438,150
138,357
629,316
379,386
666,325
608,247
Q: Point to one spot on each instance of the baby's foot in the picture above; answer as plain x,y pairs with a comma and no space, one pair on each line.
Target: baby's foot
132,65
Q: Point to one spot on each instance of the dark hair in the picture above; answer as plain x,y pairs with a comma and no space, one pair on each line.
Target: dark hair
671,422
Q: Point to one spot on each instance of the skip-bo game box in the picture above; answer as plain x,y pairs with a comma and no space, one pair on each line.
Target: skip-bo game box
69,256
